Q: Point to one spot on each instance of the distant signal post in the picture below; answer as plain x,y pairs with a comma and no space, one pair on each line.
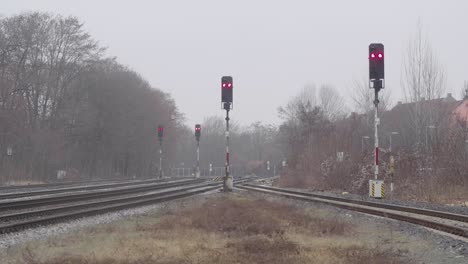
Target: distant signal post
160,137
197,137
376,82
227,87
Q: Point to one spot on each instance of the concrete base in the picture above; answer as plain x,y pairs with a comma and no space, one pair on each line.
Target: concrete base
376,189
229,184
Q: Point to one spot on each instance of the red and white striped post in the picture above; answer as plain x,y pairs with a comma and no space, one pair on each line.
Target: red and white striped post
228,181
376,135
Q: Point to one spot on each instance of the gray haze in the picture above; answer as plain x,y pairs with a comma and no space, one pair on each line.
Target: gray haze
271,48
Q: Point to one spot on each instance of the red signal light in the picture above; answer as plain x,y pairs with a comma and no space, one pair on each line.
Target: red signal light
227,85
160,132
376,62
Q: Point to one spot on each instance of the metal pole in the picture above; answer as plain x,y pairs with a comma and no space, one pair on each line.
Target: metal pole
392,171
376,135
390,148
225,187
362,145
160,159
427,146
466,149
197,173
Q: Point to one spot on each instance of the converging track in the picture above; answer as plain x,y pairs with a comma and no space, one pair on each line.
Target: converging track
49,210
455,224
53,189
59,184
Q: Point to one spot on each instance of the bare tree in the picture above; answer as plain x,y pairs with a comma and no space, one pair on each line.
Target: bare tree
423,75
332,103
423,81
307,97
464,91
363,97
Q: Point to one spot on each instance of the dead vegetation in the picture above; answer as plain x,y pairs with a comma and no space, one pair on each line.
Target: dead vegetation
242,217
222,230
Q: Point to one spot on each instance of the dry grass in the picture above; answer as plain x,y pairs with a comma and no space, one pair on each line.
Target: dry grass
434,190
242,217
223,230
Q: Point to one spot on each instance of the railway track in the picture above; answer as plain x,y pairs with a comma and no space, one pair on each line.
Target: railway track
455,224
63,188
83,196
57,184
59,209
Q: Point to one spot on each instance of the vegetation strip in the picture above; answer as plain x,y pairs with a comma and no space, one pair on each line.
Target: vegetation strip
365,209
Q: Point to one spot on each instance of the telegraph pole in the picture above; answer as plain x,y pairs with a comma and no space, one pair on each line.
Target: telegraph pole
227,104
376,82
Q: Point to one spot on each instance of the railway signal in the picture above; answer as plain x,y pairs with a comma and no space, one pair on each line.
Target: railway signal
160,132
197,131
160,136
376,65
227,85
197,136
376,82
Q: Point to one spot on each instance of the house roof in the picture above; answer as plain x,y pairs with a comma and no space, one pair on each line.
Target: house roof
447,102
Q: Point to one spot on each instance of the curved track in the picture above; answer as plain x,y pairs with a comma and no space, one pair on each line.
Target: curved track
455,224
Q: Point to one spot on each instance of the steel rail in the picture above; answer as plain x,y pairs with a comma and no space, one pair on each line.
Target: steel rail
379,209
106,206
415,210
15,195
59,184
77,197
63,213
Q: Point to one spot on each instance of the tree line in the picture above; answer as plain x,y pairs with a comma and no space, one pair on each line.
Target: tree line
65,105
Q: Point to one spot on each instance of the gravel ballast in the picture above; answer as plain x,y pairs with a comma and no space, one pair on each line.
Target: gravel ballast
39,233
438,248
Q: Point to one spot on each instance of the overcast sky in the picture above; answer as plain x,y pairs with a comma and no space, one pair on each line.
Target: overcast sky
272,48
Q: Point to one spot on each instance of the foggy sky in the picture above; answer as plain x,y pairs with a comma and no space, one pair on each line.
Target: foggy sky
272,48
